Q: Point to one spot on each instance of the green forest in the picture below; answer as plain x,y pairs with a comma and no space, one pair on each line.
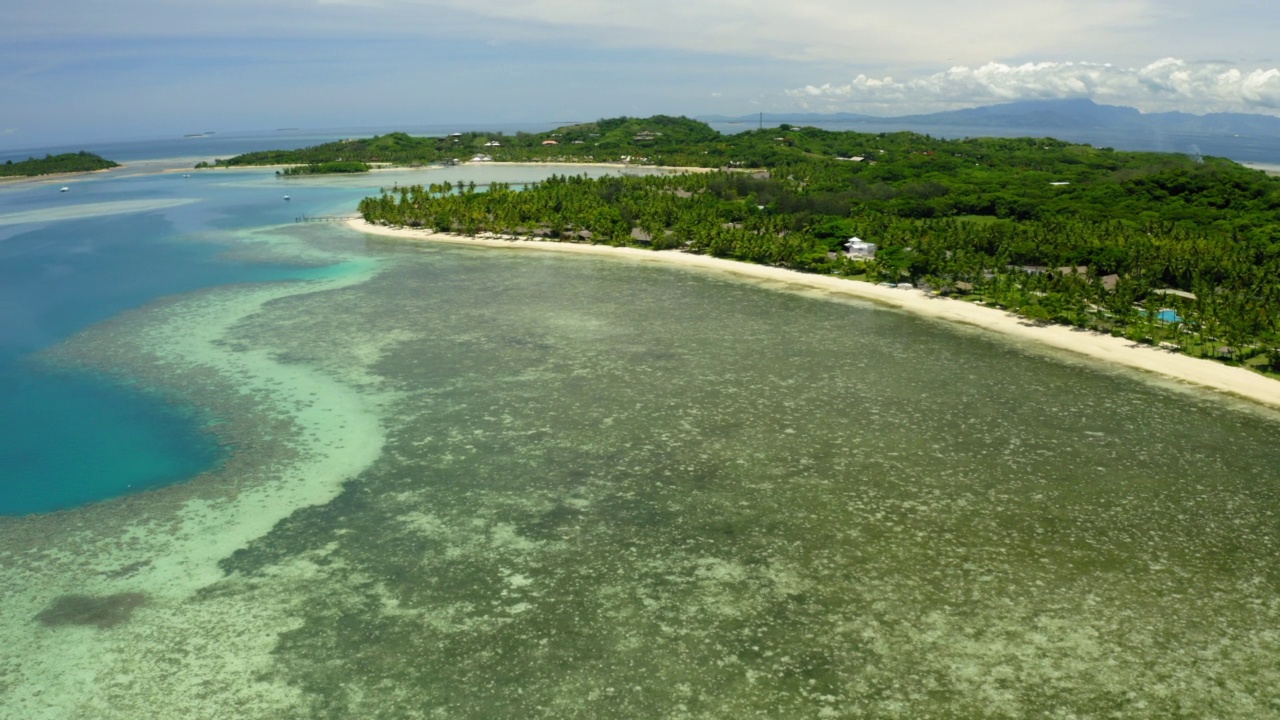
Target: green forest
1164,249
50,164
659,140
322,168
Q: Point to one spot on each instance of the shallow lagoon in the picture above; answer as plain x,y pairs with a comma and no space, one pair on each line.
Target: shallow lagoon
581,487
116,242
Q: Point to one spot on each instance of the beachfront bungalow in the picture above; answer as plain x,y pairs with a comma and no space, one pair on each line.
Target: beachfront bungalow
859,248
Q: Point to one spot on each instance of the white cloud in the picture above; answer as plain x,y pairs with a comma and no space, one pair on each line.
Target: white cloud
1167,84
237,62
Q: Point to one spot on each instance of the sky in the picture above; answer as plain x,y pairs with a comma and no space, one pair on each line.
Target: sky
87,70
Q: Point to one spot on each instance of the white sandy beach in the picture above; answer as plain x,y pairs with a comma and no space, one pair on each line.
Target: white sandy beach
1268,168
1206,373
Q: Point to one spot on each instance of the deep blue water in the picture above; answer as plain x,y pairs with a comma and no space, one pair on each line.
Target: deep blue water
69,438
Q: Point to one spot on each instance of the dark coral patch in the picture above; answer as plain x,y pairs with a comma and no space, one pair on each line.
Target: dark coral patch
104,611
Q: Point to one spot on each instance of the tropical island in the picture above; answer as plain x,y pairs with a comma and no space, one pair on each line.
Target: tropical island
51,164
1163,249
660,140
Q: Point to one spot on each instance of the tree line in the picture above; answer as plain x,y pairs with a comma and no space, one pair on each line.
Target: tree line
1205,231
65,163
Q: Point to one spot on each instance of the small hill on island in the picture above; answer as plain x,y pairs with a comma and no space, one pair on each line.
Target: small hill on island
50,164
656,140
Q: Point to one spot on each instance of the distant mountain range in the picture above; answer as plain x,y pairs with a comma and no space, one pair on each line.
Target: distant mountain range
1046,117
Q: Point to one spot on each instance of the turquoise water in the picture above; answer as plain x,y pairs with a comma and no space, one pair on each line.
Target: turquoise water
613,489
73,438
482,483
69,260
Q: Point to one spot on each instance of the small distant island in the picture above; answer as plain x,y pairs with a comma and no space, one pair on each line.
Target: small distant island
51,164
660,140
1176,251
324,168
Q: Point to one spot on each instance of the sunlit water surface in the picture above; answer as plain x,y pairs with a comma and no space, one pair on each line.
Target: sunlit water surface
585,488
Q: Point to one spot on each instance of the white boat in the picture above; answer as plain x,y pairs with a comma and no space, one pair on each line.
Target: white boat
286,197
65,189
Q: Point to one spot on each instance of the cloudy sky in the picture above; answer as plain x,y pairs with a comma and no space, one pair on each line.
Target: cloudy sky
88,70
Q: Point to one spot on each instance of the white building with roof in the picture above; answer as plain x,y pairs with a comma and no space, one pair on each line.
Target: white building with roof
859,248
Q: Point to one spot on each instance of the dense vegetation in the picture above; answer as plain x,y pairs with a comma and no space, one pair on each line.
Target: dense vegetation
1056,231
50,164
659,140
322,168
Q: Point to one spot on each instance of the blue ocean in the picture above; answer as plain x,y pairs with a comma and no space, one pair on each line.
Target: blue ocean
71,259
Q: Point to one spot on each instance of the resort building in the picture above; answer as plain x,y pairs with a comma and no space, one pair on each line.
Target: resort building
859,248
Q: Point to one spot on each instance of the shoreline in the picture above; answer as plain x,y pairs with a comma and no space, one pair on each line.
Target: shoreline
54,178
1234,381
166,166
131,168
579,163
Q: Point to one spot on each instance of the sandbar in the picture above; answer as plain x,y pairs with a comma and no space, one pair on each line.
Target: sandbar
76,211
1235,381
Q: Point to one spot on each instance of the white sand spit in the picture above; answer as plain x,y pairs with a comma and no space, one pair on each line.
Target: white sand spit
84,210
